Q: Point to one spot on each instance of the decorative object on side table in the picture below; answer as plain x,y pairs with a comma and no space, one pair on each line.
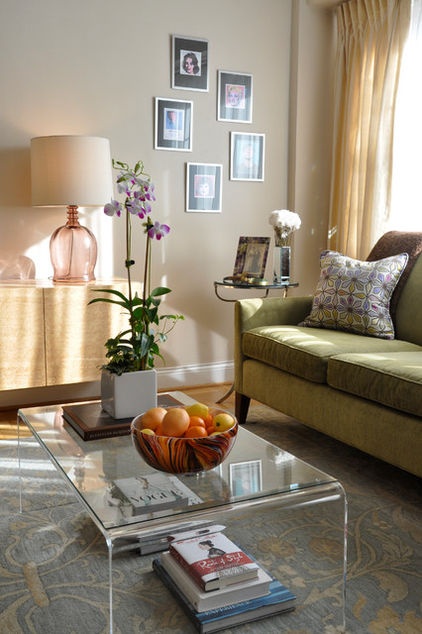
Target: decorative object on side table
284,223
131,354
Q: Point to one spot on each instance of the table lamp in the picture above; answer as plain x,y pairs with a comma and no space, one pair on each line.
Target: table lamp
71,171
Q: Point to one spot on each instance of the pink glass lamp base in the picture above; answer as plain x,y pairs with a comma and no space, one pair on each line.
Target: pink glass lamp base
73,251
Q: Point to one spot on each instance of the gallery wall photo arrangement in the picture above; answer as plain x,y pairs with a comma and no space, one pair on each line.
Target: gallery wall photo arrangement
189,63
173,124
203,187
235,94
247,153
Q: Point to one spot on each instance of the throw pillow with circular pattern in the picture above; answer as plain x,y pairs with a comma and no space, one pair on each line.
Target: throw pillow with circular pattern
354,295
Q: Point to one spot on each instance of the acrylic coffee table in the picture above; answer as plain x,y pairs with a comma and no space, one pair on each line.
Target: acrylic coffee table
258,486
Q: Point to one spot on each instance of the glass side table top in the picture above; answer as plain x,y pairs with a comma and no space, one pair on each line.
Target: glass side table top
262,285
254,469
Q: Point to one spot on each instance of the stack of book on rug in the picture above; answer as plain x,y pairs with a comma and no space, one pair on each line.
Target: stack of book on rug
218,584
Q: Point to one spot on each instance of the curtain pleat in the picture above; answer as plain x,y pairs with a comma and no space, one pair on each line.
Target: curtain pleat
371,38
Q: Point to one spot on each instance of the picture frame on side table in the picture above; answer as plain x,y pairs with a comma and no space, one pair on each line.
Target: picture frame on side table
247,156
251,256
189,66
173,124
246,477
203,187
235,94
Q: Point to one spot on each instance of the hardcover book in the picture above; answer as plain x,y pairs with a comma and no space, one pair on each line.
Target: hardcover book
279,599
213,560
91,422
155,492
201,600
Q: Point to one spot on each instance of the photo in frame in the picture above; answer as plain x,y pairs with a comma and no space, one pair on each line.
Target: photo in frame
251,256
173,124
203,187
234,97
245,477
189,65
247,153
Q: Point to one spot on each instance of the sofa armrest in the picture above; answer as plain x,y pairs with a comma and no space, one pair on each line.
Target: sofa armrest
270,311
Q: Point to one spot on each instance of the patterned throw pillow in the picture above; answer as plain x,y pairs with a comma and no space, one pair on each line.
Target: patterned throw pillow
354,295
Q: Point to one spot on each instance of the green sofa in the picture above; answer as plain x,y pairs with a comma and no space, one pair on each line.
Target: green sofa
362,390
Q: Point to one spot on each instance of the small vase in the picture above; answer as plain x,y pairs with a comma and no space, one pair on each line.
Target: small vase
282,257
129,394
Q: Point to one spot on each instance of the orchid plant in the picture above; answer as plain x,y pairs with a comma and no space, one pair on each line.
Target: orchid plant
136,347
284,223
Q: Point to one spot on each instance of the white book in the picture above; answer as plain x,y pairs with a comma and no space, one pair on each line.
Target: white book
228,595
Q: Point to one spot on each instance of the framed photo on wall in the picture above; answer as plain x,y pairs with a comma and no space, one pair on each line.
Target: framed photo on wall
203,187
247,156
189,66
173,124
234,97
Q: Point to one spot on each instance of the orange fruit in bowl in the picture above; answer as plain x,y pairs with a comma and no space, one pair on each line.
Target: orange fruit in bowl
196,421
152,417
175,422
196,432
209,420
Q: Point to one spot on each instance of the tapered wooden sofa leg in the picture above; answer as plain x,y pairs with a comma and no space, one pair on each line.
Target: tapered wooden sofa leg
241,407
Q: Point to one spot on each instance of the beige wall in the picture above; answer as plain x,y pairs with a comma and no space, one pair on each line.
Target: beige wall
94,66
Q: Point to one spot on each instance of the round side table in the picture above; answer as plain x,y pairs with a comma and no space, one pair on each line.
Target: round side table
263,286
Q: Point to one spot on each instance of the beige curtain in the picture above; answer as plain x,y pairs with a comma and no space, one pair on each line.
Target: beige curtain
371,38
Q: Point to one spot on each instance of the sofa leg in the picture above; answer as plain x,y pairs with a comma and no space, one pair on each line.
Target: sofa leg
241,407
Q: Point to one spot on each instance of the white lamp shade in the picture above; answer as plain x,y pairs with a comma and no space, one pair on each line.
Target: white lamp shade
70,170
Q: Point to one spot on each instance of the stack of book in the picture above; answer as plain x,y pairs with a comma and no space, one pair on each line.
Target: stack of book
218,584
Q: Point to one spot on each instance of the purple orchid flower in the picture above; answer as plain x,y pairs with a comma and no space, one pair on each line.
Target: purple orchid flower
114,207
158,230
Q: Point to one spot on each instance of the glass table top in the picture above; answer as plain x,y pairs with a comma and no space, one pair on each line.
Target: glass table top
100,470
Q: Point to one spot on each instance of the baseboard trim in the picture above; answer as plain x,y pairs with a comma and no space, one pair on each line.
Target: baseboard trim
167,378
198,374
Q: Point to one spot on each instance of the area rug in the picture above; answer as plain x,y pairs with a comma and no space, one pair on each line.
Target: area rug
54,568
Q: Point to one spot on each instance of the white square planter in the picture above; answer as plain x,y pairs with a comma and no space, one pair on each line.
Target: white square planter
129,394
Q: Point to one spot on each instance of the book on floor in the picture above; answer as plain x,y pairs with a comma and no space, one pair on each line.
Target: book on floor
279,599
155,492
91,422
201,600
213,560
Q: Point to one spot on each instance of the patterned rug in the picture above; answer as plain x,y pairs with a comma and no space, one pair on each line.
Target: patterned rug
54,567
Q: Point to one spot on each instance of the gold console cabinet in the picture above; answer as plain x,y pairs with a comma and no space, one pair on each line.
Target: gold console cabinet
50,336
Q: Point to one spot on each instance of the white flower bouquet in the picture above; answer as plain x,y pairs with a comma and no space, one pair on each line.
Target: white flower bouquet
284,223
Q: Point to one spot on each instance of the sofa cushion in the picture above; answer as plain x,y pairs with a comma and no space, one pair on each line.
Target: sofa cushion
305,351
394,242
393,379
354,295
